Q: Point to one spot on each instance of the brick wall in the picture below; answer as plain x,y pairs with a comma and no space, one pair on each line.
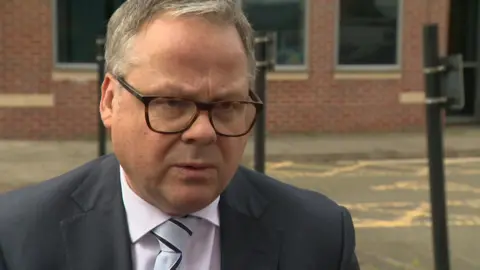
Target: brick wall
320,103
325,104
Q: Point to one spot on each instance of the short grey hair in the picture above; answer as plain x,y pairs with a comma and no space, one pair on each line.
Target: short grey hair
129,18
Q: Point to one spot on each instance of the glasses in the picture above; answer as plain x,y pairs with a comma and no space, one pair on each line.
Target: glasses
170,115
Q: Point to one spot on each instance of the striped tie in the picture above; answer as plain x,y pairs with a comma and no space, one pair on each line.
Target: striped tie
173,236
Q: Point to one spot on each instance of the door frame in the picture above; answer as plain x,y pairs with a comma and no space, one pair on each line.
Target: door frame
471,64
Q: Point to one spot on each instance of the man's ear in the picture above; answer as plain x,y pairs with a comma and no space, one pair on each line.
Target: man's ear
106,102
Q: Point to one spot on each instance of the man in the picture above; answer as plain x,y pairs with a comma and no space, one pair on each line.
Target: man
177,101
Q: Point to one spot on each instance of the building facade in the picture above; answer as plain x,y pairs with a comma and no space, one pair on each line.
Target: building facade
342,65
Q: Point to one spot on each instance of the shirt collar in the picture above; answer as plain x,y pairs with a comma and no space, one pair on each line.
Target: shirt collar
142,217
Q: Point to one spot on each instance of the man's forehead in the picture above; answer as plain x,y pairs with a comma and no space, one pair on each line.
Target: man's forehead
188,62
169,87
185,32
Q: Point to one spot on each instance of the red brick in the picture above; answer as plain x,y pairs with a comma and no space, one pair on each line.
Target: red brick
319,104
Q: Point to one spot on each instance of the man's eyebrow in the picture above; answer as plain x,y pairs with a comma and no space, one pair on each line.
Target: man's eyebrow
176,90
231,95
165,89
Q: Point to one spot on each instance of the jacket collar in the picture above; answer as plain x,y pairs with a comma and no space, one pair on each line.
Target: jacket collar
98,237
246,241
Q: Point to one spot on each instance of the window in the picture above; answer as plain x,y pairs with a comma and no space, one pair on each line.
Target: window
368,33
78,23
75,41
285,17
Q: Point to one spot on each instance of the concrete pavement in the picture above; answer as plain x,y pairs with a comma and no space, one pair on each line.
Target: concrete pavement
458,142
44,156
388,198
390,205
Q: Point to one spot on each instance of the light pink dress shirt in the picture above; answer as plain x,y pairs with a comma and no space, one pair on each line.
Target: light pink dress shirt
203,252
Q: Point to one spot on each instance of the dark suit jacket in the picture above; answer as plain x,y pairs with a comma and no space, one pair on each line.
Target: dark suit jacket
77,221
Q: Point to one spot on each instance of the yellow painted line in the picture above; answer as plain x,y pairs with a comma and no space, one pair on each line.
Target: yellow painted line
367,206
421,211
401,185
336,171
422,172
364,173
371,224
375,173
328,173
473,203
369,168
420,161
394,161
401,166
310,166
294,174
420,184
407,218
278,165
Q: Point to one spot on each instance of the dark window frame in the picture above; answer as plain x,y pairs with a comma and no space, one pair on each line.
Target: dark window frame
92,65
306,53
59,25
385,67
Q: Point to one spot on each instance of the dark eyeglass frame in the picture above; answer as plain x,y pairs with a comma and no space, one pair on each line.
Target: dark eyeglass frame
200,106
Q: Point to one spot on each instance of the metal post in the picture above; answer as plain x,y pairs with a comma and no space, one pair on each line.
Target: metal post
102,134
109,8
261,41
434,105
476,43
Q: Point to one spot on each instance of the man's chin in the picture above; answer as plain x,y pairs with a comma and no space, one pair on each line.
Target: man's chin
190,199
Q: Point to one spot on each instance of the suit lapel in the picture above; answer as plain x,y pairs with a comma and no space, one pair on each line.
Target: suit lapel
246,243
98,238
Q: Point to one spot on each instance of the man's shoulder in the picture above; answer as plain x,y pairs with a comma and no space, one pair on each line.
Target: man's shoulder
289,200
303,218
37,200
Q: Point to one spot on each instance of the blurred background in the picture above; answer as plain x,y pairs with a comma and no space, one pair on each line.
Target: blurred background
345,110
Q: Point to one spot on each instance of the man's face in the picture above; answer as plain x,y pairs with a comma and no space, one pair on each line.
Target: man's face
188,58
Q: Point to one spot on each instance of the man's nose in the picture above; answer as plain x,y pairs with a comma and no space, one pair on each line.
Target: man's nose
201,131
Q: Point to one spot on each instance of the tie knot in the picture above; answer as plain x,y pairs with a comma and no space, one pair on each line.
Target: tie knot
173,234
